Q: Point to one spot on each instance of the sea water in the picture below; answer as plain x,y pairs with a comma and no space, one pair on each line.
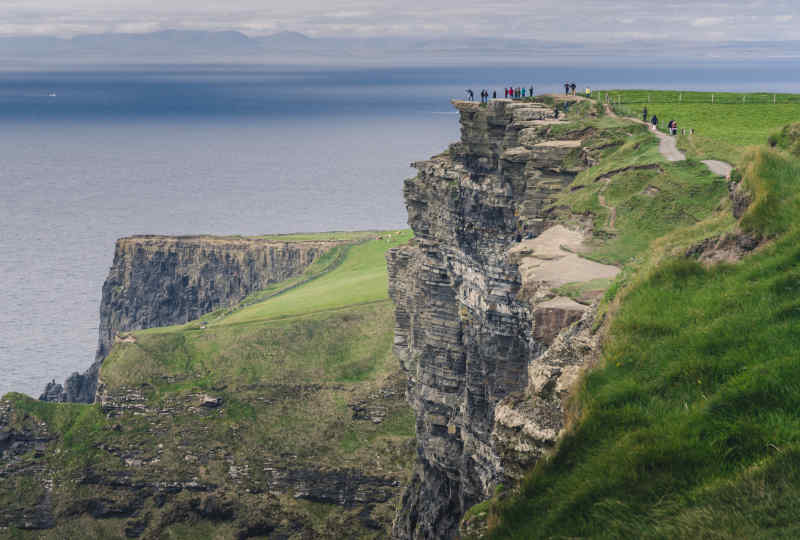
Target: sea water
89,156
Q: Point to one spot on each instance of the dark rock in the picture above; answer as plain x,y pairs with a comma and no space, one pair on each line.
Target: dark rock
464,335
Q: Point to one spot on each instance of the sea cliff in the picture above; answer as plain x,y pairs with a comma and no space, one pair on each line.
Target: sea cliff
477,306
160,281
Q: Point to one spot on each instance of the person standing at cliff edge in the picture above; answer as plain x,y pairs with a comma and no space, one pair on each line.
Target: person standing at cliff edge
531,93
566,88
573,87
654,121
644,114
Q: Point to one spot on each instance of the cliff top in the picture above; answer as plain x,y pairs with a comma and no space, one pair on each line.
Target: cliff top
330,238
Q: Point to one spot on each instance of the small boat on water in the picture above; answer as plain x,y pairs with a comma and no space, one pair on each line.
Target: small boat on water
51,94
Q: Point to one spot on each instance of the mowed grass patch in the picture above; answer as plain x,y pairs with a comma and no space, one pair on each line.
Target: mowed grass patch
361,278
691,428
724,129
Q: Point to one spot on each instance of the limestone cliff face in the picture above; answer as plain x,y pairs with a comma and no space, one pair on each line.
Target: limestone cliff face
159,281
466,334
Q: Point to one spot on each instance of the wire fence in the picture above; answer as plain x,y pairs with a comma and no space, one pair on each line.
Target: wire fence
643,97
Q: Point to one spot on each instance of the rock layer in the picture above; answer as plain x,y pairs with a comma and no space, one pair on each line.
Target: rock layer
160,281
466,334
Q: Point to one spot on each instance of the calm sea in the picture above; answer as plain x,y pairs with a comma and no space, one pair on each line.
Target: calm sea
88,157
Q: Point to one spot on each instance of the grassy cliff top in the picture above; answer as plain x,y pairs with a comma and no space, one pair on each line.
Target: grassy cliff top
294,238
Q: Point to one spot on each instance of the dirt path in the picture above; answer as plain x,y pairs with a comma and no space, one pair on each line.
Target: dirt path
551,259
612,210
719,167
668,147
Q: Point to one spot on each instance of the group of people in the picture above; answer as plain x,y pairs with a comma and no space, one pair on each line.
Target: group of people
517,92
672,126
570,89
510,93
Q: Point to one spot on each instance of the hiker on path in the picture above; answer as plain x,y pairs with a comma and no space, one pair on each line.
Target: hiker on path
506,89
588,92
573,87
523,92
494,94
644,114
531,94
566,88
673,127
654,121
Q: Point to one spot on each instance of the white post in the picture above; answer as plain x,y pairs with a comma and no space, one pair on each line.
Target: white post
712,99
680,97
743,98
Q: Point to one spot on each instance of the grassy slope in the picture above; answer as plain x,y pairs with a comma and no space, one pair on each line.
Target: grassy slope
333,330
287,368
690,428
652,198
723,129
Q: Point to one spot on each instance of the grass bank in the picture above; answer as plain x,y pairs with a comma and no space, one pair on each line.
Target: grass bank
690,427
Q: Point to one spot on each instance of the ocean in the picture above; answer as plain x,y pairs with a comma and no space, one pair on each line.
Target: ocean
93,155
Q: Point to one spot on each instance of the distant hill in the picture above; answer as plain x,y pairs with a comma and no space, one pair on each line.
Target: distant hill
289,47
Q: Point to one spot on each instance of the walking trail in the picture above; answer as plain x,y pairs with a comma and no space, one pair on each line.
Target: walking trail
668,147
552,260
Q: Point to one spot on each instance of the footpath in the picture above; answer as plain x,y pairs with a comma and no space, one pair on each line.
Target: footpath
669,149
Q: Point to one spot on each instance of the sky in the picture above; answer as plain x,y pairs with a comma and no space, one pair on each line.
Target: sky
568,20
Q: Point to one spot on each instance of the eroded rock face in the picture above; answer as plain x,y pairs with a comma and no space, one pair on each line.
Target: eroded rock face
160,281
465,335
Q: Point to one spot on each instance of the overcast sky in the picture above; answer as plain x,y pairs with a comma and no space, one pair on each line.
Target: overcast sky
566,20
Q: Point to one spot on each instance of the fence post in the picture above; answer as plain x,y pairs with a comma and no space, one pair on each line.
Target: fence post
743,98
712,99
680,97
773,99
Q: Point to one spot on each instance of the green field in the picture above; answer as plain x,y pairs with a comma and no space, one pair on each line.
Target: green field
723,128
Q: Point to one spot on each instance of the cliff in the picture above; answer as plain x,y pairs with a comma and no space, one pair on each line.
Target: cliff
477,305
160,281
281,417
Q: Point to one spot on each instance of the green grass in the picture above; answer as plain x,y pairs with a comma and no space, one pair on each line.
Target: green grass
652,197
690,429
723,130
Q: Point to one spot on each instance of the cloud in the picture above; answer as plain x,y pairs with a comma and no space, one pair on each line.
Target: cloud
702,22
575,21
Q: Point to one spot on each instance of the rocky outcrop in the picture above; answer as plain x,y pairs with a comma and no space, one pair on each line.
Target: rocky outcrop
472,313
160,281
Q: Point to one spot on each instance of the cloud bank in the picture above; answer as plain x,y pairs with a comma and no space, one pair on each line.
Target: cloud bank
578,21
